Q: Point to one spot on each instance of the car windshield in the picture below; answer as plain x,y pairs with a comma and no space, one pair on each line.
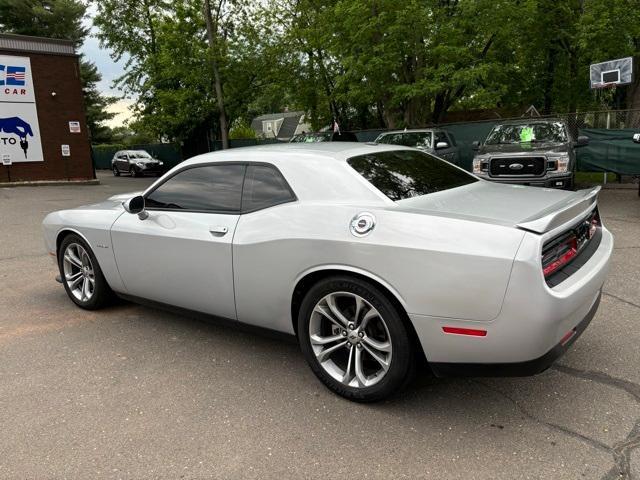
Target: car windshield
408,139
547,132
139,155
312,137
403,174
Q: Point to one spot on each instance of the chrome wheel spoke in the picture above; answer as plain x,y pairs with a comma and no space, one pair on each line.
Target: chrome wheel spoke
73,259
348,375
76,282
378,358
318,340
327,314
361,377
375,344
331,303
372,313
328,351
72,276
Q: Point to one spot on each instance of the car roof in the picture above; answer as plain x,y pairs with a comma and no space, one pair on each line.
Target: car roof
317,172
412,130
296,151
520,121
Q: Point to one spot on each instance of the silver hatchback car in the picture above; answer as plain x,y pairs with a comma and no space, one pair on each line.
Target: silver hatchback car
374,256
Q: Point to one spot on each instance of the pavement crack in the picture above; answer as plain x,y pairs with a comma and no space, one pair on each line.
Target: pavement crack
621,450
621,299
631,388
566,431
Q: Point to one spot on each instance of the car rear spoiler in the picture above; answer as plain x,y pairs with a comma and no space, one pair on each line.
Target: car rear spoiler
581,202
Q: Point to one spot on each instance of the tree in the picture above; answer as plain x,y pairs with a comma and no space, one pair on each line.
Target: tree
60,19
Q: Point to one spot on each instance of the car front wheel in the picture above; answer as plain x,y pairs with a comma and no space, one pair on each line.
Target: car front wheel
354,339
81,275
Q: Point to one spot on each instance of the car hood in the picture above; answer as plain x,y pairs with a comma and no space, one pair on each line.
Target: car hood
145,160
495,203
524,148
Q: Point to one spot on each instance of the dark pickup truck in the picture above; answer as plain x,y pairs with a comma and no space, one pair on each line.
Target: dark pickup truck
536,152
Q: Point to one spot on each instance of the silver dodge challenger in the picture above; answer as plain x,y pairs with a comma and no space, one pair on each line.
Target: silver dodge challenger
376,257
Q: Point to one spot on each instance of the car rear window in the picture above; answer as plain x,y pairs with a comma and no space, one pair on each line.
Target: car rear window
405,174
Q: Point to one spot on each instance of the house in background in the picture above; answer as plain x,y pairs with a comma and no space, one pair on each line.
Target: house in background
281,126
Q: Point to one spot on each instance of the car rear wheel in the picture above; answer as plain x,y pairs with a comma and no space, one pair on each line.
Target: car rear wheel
116,172
354,339
81,274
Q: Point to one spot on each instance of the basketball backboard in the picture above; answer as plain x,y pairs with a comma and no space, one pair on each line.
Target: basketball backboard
611,73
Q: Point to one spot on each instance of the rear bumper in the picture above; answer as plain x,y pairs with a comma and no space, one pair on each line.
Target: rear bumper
534,323
515,369
556,181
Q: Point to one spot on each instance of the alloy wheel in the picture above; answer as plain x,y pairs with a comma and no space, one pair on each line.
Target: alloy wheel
350,339
79,273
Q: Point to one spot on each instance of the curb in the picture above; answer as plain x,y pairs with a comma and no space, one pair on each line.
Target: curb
49,183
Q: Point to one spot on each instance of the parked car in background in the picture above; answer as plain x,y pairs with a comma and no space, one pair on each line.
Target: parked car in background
328,136
376,257
636,137
433,140
536,152
135,163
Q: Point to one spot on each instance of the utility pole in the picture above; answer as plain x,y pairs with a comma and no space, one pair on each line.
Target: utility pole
212,32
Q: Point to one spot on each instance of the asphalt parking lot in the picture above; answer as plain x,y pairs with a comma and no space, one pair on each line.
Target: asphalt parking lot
134,392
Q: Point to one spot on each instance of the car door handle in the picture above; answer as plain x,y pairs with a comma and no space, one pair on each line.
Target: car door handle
218,231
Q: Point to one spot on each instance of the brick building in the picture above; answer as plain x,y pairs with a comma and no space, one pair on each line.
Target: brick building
43,130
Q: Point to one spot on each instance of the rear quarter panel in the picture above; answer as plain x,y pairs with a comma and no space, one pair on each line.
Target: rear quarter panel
438,266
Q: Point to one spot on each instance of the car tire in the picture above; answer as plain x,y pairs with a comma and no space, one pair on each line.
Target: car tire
116,172
81,274
132,171
350,369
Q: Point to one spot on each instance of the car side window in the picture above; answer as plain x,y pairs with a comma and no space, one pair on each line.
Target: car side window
264,186
211,188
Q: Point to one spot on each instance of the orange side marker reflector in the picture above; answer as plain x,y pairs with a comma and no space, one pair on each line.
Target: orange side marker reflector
465,331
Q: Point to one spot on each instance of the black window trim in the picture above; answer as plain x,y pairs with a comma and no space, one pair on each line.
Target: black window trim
241,211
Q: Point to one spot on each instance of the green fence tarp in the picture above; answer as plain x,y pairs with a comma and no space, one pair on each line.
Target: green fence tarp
169,153
610,151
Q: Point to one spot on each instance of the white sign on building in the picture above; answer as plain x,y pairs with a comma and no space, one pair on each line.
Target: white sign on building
19,128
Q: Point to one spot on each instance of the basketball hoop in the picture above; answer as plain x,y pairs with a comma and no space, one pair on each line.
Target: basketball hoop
603,86
610,74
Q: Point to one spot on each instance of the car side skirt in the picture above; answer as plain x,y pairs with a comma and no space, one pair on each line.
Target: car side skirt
212,319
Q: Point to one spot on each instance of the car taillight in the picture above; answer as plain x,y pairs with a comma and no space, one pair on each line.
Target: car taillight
559,254
561,250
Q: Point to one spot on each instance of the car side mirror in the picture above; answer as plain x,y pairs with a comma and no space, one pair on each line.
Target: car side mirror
135,205
582,141
636,137
441,145
475,145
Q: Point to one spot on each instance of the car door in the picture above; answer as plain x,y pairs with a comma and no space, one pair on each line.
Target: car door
449,152
123,162
181,254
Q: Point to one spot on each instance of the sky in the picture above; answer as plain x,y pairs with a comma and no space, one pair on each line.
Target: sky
110,70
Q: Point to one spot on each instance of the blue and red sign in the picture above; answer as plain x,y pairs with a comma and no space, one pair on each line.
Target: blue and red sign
13,75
